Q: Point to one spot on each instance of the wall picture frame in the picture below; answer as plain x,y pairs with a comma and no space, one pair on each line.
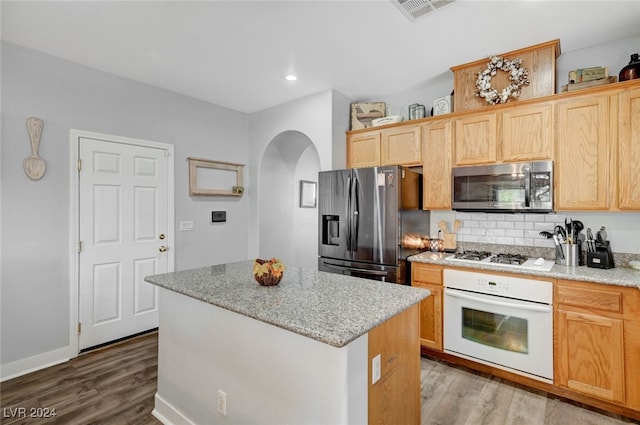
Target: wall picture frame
363,113
308,194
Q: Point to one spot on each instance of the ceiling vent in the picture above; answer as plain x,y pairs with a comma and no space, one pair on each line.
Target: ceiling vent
413,9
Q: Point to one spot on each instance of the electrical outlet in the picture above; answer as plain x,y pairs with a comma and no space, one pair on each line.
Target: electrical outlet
375,369
222,403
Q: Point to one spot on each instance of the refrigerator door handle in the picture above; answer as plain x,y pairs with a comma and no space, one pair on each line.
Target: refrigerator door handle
357,269
356,214
348,215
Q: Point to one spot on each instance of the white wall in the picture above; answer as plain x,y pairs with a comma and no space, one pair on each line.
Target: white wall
311,116
614,55
35,214
305,220
291,156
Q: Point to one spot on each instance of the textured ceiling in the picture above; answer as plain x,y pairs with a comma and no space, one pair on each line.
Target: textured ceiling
236,53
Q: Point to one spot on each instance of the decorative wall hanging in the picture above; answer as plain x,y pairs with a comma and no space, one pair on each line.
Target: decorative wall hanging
211,178
363,113
34,166
518,77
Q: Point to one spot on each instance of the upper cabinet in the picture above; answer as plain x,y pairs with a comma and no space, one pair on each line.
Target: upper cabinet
401,146
476,138
583,148
527,133
592,136
510,134
629,150
363,149
436,164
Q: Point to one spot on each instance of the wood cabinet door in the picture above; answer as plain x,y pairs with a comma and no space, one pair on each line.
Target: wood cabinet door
436,165
401,146
590,355
429,277
476,139
582,153
431,318
363,150
527,133
629,150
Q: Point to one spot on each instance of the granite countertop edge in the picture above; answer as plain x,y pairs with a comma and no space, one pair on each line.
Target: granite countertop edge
337,334
618,276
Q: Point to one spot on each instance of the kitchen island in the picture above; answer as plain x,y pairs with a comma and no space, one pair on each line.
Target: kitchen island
301,352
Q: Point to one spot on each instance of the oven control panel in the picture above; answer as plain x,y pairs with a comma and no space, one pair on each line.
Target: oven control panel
508,286
493,285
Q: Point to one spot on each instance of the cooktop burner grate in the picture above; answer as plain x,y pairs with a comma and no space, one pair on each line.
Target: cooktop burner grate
502,258
472,255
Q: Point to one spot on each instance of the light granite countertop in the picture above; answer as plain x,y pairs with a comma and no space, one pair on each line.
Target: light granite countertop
620,276
327,307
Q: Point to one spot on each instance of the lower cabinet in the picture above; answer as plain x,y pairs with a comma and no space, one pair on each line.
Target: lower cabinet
596,341
596,337
429,277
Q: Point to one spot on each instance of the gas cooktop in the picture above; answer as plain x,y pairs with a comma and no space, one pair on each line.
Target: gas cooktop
502,259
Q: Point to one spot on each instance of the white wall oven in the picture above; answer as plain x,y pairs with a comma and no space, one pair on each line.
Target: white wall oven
503,321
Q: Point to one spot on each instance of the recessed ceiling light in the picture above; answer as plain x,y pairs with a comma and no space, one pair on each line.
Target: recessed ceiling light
291,77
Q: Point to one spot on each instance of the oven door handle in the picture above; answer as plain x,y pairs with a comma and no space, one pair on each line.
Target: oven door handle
538,308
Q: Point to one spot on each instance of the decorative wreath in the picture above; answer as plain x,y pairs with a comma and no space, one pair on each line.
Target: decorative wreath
518,77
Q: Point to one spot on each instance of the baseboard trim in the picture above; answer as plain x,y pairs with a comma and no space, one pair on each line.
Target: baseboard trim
31,364
167,414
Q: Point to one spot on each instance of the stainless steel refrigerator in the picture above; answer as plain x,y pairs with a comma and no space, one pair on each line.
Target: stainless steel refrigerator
364,215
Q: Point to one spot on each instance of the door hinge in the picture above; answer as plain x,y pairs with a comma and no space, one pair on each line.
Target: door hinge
79,246
79,165
79,328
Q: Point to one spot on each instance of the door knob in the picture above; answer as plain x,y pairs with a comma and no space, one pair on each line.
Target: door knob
162,236
163,248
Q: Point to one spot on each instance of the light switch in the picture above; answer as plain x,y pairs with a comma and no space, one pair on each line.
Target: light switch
186,226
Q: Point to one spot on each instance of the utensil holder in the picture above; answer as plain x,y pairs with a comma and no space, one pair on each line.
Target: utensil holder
602,257
571,255
449,242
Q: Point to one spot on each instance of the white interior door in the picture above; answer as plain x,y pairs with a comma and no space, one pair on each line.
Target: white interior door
124,234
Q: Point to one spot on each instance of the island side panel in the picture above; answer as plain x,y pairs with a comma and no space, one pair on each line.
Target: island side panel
269,375
395,398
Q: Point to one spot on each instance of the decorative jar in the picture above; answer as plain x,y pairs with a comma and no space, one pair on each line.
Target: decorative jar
631,71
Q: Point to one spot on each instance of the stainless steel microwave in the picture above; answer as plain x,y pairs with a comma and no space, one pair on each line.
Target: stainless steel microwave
514,187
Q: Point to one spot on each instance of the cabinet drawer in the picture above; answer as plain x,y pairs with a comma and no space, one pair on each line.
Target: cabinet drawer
610,301
421,273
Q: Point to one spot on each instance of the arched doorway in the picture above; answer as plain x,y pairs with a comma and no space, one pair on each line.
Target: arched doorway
285,230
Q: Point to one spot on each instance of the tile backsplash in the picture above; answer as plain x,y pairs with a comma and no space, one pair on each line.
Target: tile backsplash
507,229
519,233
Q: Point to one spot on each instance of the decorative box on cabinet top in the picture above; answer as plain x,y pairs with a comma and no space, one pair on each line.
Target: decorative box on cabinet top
539,60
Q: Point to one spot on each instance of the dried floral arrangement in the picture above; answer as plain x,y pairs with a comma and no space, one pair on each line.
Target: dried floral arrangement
268,272
518,77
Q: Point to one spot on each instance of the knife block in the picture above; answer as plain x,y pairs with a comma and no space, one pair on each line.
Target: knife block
602,258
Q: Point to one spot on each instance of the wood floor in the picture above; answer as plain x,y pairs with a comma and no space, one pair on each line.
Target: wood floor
110,386
116,385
